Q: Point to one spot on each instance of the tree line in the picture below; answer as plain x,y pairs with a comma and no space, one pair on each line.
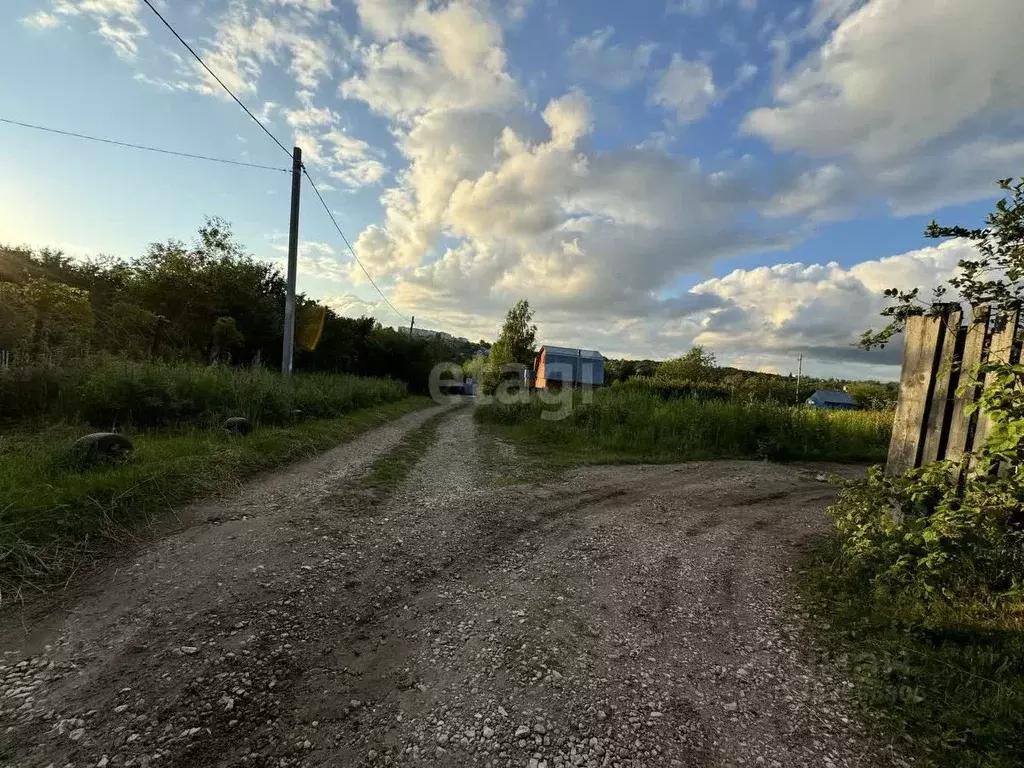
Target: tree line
206,301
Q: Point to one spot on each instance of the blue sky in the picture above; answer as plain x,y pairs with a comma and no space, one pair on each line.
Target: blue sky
743,174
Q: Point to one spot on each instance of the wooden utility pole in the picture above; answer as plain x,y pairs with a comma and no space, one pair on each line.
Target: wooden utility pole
412,322
799,375
293,259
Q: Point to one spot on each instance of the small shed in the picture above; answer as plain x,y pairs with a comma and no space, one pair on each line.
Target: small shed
833,399
565,366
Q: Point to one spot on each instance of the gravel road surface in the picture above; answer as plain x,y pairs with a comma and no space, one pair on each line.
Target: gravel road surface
616,616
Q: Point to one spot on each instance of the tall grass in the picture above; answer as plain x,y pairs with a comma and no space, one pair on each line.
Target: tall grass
623,424
107,393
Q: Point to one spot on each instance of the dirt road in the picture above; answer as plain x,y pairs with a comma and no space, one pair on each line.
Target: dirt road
620,616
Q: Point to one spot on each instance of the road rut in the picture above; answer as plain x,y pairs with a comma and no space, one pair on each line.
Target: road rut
617,616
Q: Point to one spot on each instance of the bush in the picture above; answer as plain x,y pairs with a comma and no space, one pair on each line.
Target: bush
929,536
108,393
920,536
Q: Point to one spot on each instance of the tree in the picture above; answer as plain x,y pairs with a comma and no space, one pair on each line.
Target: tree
994,278
516,342
695,365
515,345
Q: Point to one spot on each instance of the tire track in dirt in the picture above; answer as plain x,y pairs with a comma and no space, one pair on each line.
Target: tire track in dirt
600,620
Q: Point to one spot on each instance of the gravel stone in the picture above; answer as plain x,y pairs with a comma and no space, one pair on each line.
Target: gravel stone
481,613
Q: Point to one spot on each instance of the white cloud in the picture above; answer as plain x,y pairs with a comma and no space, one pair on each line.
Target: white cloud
686,88
817,309
517,10
345,158
43,20
425,59
313,6
347,305
921,102
116,21
592,58
310,116
813,193
317,260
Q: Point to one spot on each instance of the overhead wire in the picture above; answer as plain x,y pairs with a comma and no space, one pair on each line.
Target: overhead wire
214,76
349,245
283,147
255,119
159,150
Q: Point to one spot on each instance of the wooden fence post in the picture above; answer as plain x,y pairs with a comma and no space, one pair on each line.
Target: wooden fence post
959,441
943,374
999,351
920,345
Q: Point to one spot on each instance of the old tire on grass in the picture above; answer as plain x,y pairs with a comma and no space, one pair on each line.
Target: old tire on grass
238,425
101,447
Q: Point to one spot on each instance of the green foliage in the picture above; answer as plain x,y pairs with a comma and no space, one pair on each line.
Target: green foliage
515,349
108,393
672,389
696,365
208,301
518,338
926,534
624,424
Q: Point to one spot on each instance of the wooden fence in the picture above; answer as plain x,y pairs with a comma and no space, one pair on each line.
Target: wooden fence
939,355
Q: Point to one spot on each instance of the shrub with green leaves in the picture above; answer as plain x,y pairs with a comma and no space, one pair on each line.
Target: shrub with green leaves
930,536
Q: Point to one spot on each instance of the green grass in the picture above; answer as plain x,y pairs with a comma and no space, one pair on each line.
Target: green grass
391,469
946,687
53,520
622,425
108,393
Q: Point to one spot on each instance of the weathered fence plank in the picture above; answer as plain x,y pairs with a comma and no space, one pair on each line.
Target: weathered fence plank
959,426
943,372
921,338
999,351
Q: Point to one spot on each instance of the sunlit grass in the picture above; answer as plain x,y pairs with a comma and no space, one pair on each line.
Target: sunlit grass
622,425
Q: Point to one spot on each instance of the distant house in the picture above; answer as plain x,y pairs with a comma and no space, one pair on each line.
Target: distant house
564,366
833,399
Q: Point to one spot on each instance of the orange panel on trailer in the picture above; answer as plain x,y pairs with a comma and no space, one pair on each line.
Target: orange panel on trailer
539,381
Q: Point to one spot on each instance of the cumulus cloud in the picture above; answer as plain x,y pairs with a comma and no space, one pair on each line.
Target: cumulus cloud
920,103
425,59
616,66
817,309
685,88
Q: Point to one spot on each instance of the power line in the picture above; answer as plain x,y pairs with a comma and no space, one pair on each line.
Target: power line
140,146
283,148
350,249
214,76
